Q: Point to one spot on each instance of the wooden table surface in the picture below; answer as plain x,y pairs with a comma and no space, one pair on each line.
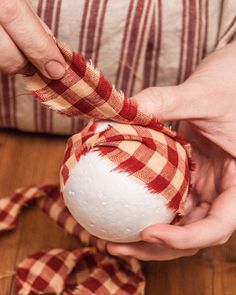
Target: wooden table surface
35,159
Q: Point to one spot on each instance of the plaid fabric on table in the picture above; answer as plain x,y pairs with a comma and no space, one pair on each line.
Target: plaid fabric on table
10,208
137,143
84,271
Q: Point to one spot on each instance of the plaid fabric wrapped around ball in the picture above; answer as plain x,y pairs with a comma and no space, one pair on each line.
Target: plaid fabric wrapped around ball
138,144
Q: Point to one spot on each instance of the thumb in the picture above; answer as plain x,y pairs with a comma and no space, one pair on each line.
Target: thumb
172,102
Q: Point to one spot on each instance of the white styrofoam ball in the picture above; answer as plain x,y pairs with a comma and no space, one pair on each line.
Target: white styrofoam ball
109,204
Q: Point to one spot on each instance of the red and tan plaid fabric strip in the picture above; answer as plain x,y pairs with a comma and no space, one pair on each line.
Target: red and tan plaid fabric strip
84,92
82,271
137,142
10,207
86,270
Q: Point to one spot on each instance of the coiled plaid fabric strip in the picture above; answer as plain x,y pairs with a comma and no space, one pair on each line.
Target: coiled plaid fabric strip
84,271
140,145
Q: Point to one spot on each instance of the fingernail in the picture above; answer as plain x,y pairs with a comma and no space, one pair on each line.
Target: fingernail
54,69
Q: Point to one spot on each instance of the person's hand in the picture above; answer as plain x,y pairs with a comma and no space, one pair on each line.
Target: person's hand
25,38
206,104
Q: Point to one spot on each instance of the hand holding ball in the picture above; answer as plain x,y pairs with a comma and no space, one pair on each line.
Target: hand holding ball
121,176
115,201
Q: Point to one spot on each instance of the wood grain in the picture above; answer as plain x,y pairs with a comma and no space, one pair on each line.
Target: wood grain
35,159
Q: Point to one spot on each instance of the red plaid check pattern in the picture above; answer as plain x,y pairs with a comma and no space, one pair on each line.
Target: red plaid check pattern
84,92
10,207
142,146
149,156
83,271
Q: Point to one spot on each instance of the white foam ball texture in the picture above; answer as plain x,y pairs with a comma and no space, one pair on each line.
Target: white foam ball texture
112,205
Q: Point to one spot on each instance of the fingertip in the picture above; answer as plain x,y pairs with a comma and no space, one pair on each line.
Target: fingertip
161,229
117,249
55,70
146,234
111,248
167,103
58,54
151,238
161,234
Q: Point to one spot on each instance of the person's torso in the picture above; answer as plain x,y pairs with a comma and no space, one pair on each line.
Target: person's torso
135,43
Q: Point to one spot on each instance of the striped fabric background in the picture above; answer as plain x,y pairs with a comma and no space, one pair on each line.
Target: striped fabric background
135,43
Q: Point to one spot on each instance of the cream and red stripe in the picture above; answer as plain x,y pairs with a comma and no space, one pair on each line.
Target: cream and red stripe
49,11
146,19
132,45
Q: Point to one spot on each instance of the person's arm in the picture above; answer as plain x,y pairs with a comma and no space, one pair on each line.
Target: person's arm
24,38
206,104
